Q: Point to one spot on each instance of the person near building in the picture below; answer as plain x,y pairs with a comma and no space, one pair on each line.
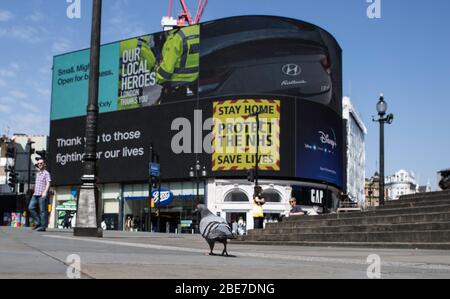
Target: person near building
258,211
295,209
136,224
178,69
234,227
39,200
73,221
67,220
241,226
103,225
128,223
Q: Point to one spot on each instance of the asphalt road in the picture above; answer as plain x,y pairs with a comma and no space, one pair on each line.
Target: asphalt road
54,254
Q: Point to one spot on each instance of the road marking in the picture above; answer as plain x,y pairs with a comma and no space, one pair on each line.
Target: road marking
362,261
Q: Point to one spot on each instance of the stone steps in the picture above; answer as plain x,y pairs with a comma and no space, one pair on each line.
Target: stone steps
393,245
392,219
412,204
442,236
415,221
435,226
422,197
378,212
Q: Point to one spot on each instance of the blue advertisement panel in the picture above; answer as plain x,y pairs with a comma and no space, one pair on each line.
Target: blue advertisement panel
319,144
71,80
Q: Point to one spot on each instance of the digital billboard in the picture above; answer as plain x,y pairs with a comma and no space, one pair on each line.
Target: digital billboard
193,92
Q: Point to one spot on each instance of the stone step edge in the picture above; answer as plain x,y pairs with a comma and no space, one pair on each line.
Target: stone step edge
419,199
427,194
365,233
358,218
424,203
393,245
364,215
358,225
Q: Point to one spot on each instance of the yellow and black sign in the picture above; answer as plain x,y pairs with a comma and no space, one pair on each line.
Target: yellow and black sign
235,134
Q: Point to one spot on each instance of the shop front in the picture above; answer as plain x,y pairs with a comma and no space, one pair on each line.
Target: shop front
174,213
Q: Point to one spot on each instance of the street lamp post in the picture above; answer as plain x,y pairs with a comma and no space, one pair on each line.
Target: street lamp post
196,173
256,114
383,118
87,222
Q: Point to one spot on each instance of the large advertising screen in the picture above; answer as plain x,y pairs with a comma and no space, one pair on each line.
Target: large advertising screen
193,92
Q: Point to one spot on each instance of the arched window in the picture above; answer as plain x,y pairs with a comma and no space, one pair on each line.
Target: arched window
236,196
271,196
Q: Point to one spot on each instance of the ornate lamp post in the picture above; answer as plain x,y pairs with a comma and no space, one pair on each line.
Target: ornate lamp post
383,118
87,224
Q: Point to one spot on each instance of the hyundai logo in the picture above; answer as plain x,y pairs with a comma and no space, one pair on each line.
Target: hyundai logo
292,70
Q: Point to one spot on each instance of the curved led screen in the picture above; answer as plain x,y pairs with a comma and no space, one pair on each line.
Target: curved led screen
193,92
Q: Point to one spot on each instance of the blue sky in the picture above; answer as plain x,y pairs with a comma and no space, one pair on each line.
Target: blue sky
405,55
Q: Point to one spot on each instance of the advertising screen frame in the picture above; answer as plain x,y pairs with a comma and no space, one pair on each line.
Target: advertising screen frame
289,153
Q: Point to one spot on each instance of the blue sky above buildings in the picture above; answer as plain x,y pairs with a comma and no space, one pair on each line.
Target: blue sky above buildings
405,55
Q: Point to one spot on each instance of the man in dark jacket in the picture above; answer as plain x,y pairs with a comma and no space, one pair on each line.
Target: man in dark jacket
295,209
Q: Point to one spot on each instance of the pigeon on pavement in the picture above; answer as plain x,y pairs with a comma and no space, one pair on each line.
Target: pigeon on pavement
214,229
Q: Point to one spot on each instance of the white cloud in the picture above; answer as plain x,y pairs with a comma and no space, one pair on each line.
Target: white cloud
5,109
25,33
29,123
37,16
5,100
9,72
5,16
44,92
15,65
46,70
61,46
22,113
124,25
29,107
18,94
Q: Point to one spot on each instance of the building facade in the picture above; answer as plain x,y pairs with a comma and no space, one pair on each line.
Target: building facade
356,152
372,191
399,184
230,199
5,162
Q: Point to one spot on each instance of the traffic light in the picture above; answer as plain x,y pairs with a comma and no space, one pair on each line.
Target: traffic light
13,180
42,155
251,175
154,182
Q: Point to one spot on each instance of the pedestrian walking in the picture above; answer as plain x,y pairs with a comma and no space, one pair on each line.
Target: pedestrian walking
38,203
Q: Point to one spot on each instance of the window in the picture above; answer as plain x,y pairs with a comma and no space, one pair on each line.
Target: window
271,196
236,196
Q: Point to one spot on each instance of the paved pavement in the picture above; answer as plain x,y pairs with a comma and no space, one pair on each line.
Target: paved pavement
28,254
